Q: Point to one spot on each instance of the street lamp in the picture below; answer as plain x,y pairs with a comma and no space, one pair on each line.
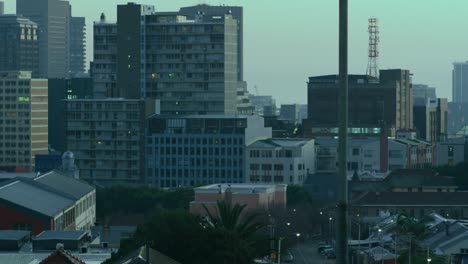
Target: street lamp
288,224
279,249
330,219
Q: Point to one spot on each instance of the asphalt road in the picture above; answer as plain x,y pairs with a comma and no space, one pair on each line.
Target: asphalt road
306,253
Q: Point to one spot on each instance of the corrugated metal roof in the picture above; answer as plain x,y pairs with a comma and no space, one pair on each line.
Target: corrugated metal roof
65,235
69,185
13,234
30,196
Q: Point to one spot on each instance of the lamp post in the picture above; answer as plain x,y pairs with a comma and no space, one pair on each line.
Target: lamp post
428,257
381,245
342,183
330,219
279,249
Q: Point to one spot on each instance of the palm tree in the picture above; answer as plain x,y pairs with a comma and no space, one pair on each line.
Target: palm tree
229,218
236,236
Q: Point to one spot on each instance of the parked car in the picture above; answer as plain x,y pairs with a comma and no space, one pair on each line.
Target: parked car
320,249
326,251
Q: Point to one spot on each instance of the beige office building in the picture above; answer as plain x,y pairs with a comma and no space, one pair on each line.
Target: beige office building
23,120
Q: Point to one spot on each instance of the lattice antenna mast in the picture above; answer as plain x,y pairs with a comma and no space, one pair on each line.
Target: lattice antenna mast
372,65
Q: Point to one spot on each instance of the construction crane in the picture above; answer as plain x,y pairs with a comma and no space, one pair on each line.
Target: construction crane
256,90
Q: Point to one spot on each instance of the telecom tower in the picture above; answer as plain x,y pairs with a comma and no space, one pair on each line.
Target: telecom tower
372,66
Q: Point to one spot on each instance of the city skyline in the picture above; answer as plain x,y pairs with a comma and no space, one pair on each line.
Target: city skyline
408,33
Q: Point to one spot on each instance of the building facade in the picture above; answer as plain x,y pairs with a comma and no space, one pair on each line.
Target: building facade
53,20
131,46
430,120
104,65
59,91
373,104
192,150
77,45
106,137
23,120
290,113
460,82
452,151
422,94
19,46
280,161
237,12
194,69
256,197
265,105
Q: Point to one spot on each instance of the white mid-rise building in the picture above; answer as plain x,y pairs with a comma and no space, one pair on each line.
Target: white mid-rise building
287,161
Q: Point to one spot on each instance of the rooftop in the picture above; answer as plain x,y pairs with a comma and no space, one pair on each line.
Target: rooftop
33,196
13,234
280,142
63,235
74,187
242,188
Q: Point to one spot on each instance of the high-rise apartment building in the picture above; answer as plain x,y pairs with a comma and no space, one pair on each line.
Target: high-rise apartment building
131,47
237,13
77,45
430,120
373,104
104,66
189,65
53,20
422,94
106,137
204,149
19,50
192,65
460,82
23,120
59,91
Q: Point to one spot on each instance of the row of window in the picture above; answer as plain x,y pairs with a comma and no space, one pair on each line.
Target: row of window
195,151
13,83
196,173
269,153
275,167
198,141
230,162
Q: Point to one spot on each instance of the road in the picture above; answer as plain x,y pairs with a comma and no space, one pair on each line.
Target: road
306,253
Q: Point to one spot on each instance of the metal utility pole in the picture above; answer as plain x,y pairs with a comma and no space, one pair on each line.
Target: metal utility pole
342,216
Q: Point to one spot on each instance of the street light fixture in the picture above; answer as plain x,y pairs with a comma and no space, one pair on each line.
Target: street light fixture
288,224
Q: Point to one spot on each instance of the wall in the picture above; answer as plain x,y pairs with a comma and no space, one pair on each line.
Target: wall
10,217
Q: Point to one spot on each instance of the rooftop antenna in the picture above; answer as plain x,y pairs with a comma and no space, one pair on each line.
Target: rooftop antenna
372,65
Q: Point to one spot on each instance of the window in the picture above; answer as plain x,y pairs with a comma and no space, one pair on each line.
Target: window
254,166
450,151
355,152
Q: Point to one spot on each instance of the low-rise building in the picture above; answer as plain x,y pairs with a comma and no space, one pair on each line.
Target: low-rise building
193,150
107,138
254,196
286,161
49,202
83,194
452,151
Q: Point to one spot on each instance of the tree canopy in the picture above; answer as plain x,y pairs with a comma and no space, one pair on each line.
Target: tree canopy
140,200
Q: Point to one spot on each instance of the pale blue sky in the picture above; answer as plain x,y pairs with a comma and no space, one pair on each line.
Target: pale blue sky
287,41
